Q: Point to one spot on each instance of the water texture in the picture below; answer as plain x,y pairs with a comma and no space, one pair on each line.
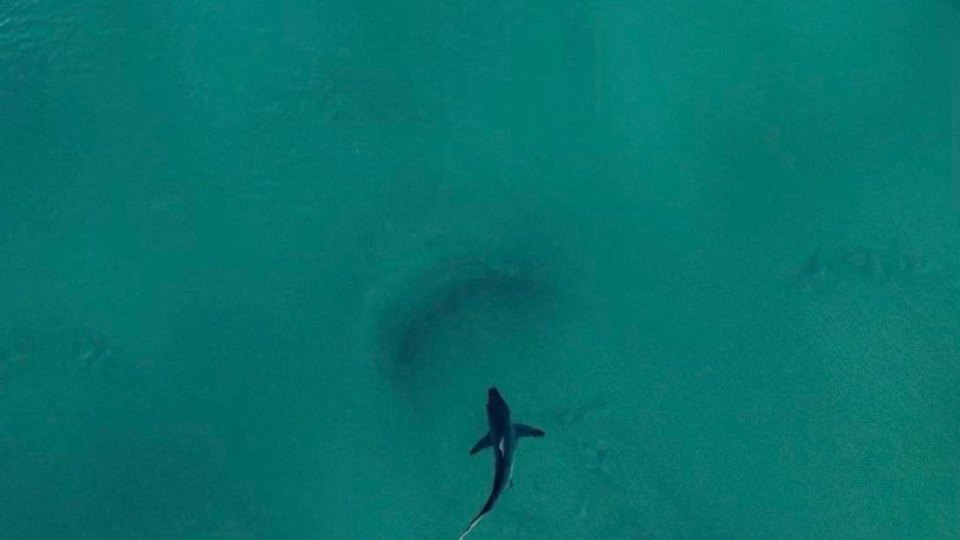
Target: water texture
260,262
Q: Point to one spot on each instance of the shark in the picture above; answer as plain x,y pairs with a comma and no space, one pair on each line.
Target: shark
502,439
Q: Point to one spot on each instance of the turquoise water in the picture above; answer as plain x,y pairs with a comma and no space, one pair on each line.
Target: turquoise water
259,264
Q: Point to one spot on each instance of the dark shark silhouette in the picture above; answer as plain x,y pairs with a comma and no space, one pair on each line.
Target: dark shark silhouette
502,437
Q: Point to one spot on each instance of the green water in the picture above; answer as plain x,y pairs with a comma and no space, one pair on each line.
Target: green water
260,261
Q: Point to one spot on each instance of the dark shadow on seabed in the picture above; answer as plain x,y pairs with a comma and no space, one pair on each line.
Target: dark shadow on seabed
509,293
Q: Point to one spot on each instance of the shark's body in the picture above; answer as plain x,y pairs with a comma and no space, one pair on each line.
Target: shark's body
502,438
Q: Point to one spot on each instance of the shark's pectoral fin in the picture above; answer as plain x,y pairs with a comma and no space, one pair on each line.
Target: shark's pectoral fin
523,430
484,442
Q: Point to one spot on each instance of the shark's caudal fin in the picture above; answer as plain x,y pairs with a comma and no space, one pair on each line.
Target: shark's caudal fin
484,442
523,430
473,523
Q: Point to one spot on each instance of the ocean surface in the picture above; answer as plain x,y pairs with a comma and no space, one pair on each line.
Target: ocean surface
261,261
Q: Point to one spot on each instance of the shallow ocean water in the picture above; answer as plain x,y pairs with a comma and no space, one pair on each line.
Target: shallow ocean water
260,263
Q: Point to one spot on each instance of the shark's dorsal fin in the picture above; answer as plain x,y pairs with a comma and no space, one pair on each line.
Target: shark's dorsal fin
523,430
484,442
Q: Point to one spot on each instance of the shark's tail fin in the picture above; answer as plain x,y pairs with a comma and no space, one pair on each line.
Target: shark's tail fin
473,523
